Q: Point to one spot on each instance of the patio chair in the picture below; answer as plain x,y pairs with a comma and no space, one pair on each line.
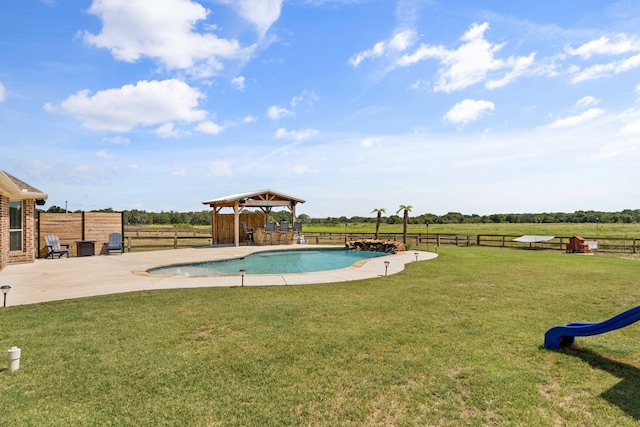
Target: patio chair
54,247
248,234
284,227
115,243
269,228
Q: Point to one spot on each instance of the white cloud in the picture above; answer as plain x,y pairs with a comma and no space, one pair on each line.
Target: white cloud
167,130
274,112
604,46
118,140
307,97
570,121
298,135
468,110
164,30
179,172
606,70
145,103
631,123
249,119
220,168
261,13
104,154
471,63
238,82
369,142
304,170
587,101
400,42
419,85
631,129
209,127
519,66
3,92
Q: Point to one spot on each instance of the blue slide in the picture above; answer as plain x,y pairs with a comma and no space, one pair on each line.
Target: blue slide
564,336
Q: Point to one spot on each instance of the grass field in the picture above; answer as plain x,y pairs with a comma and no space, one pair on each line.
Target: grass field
556,229
553,229
453,341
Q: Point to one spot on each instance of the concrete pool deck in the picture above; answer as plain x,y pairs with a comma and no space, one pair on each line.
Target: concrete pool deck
66,278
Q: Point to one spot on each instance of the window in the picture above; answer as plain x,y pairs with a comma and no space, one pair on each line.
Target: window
15,225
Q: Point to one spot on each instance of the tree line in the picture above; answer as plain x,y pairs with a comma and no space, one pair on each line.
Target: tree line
627,216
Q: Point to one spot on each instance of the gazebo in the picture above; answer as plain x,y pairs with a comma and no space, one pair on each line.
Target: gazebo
265,200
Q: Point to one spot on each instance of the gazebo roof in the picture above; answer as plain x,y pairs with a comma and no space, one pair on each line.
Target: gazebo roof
16,188
254,199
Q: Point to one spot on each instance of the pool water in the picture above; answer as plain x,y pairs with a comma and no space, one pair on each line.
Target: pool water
271,262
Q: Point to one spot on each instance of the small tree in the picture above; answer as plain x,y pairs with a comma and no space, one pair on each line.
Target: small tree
406,209
380,211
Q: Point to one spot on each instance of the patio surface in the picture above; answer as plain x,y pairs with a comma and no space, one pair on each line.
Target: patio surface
65,278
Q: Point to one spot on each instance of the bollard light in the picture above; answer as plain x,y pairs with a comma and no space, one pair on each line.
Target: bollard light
5,291
416,254
242,271
386,266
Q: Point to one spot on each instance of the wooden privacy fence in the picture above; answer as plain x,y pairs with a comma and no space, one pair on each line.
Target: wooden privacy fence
72,228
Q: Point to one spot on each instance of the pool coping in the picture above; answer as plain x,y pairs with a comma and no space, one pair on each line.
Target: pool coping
65,278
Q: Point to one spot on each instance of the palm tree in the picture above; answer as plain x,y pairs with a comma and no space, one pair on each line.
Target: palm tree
380,211
406,209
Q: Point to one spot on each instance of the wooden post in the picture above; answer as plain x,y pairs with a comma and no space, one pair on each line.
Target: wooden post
214,217
236,224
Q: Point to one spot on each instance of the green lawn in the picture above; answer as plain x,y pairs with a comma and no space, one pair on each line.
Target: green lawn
453,341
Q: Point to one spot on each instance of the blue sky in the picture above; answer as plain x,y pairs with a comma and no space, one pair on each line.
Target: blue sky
465,106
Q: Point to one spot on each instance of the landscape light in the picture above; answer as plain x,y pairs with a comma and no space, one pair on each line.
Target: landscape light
242,271
386,266
416,254
5,291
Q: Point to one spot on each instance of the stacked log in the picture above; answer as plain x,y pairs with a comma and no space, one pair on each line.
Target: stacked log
376,246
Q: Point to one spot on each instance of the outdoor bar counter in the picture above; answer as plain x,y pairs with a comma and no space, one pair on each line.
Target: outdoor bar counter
276,237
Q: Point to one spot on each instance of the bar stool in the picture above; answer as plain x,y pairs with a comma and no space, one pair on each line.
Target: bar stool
284,228
268,231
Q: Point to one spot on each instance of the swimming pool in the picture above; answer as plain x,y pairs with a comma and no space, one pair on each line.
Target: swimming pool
271,262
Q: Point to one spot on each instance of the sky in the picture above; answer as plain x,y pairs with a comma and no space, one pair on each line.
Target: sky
477,107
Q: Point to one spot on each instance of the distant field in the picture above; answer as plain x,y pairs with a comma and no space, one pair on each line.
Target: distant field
556,229
585,230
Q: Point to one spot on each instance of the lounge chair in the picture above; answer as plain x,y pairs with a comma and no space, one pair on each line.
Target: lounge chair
54,247
248,234
115,243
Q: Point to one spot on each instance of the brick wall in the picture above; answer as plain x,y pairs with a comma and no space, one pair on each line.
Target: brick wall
4,231
28,253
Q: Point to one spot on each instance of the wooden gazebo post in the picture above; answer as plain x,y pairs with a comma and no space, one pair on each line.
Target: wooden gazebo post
236,223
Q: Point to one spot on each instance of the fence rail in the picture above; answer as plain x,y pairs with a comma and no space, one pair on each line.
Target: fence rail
170,238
